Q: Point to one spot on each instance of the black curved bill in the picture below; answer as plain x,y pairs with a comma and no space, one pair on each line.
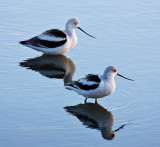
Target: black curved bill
124,77
85,32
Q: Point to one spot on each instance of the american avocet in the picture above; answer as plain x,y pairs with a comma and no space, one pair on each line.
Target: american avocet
55,66
55,41
96,86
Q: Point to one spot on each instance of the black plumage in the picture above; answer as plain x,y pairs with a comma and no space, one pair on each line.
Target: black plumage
82,83
92,78
43,43
56,33
35,41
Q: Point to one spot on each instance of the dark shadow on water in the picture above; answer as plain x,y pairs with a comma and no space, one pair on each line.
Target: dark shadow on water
52,66
94,116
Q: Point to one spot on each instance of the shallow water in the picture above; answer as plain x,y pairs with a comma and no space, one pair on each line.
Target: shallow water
33,100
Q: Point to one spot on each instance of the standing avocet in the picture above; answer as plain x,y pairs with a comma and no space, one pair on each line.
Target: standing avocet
55,41
96,86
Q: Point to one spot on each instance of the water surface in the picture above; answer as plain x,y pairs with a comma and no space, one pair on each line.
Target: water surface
33,99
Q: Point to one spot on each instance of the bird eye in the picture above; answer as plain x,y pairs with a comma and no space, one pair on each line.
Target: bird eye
114,71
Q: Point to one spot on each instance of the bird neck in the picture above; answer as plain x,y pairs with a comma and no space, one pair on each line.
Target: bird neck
70,30
108,76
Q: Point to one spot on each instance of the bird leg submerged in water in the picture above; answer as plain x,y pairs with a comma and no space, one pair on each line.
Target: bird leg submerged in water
85,101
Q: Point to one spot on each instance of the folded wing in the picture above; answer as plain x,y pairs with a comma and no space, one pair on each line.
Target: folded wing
49,39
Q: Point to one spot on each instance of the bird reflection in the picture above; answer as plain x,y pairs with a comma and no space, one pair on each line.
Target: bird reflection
95,116
52,66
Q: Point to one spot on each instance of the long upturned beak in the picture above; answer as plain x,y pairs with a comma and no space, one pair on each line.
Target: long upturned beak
85,32
124,77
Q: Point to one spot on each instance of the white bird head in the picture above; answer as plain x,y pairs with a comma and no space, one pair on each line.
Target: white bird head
74,23
111,71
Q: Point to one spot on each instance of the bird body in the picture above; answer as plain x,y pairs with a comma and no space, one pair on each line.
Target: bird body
55,41
93,89
96,86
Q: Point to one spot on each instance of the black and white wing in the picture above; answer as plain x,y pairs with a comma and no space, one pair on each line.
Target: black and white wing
90,82
49,39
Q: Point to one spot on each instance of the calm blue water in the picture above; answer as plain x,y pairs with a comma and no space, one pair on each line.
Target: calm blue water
33,100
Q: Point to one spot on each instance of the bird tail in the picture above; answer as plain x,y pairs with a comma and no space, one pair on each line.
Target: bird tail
70,86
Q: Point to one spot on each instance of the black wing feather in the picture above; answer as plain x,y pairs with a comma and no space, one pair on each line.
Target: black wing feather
35,41
92,77
56,33
86,87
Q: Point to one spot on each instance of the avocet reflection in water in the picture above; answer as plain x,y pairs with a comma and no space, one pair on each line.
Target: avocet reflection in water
94,116
52,66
